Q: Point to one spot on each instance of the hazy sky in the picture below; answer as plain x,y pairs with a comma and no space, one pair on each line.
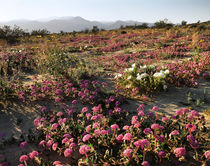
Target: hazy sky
108,10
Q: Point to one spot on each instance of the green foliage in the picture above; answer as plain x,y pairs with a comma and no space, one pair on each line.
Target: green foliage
41,32
163,24
11,35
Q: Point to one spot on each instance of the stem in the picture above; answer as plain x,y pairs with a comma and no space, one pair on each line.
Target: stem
144,154
25,163
135,152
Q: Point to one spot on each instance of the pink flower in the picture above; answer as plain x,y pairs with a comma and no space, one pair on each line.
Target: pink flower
95,125
164,119
49,144
104,132
141,113
179,112
23,158
126,127
155,126
180,152
74,102
161,154
207,154
127,137
145,163
194,144
119,138
191,127
68,152
88,128
36,122
33,154
72,145
67,136
57,99
65,140
190,138
137,143
56,163
134,120
84,149
115,126
84,109
175,132
58,92
54,146
147,131
143,143
127,152
23,144
42,143
59,113
86,137
54,126
155,108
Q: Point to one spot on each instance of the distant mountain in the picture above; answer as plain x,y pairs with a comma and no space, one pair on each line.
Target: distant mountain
67,24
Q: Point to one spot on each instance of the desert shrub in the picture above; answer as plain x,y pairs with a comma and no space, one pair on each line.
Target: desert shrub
41,32
11,35
62,63
143,79
16,60
163,24
6,92
183,23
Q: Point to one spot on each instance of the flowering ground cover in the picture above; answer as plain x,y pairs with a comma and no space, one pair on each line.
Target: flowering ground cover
119,97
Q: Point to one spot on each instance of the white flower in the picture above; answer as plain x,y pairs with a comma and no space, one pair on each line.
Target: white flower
129,77
130,69
118,75
133,65
166,71
126,70
143,67
128,86
152,66
143,75
165,87
159,75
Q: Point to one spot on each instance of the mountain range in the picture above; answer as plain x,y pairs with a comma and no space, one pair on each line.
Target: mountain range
67,24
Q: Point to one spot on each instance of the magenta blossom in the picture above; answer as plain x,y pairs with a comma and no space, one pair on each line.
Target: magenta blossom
143,143
23,144
207,154
68,152
119,138
23,158
161,154
127,152
155,126
147,131
191,127
115,126
86,137
127,137
145,163
155,108
174,132
180,152
84,149
33,154
54,146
